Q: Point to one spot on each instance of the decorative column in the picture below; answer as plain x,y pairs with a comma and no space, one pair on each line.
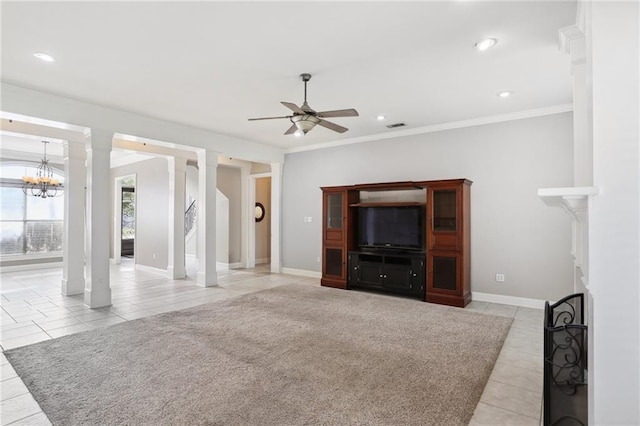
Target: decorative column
207,185
73,237
97,291
177,189
573,42
276,203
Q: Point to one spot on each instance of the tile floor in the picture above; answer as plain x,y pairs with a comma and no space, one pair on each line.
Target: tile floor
33,310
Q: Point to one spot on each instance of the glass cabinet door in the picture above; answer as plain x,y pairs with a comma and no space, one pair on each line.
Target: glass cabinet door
334,211
444,273
444,210
333,262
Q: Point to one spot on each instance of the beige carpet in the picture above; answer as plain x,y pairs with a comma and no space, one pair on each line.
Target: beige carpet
286,356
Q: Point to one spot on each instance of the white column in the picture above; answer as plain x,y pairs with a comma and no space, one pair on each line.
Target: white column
251,223
117,222
73,238
177,188
207,185
97,291
573,42
276,203
245,209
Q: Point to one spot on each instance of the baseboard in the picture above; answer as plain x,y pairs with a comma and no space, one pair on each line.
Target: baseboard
302,272
525,302
30,266
150,269
263,261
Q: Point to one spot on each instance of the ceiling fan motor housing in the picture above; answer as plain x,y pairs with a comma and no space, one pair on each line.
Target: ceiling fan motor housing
305,118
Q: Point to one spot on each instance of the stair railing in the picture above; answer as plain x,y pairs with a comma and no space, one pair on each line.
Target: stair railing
190,217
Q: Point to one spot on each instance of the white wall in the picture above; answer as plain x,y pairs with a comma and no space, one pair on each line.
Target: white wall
229,184
222,228
613,44
512,231
152,201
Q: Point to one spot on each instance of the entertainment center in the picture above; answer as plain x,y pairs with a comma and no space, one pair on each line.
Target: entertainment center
410,238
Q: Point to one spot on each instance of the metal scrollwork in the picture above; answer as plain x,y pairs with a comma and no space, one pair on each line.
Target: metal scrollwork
567,359
565,362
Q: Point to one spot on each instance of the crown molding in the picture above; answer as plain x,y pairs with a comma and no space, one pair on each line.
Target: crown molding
539,112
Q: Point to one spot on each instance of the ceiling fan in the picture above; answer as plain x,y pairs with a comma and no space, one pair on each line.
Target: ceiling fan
304,118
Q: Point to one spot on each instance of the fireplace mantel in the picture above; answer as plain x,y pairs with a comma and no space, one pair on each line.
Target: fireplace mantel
573,200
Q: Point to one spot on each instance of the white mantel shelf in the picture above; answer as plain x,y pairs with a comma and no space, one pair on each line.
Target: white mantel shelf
574,200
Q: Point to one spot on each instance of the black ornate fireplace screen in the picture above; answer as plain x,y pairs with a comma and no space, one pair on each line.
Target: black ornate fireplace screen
565,362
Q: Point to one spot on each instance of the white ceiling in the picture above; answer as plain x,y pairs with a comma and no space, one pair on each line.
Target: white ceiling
214,65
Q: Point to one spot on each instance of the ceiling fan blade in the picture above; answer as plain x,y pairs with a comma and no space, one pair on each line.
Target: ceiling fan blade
269,118
293,107
332,126
339,113
291,130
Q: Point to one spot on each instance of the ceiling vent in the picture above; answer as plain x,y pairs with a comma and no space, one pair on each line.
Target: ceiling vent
396,125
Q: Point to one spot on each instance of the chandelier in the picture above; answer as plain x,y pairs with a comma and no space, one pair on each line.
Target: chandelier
42,185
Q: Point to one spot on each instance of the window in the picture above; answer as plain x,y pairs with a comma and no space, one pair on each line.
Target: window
28,225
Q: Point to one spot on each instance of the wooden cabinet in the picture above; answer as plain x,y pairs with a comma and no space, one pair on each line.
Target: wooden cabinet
447,278
448,242
398,273
337,234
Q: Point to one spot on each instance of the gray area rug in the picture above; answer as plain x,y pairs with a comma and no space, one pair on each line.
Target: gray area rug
286,356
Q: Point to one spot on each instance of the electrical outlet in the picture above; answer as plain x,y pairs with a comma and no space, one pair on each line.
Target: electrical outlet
500,278
318,259
154,256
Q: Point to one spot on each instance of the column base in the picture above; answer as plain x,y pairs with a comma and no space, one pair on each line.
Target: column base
72,287
176,274
207,280
97,298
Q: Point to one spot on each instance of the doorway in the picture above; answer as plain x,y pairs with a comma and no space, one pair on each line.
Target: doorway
128,221
124,214
263,221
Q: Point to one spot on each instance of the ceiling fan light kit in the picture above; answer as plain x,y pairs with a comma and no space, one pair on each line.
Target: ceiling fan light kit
304,118
304,123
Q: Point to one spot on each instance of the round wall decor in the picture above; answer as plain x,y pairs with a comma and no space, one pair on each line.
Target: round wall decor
259,212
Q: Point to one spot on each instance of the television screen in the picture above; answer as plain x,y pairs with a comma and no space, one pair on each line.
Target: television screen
392,227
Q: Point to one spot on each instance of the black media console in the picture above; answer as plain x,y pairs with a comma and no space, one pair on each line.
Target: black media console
398,272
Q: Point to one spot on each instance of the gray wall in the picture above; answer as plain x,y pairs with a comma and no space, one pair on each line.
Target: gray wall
512,231
152,210
263,228
229,184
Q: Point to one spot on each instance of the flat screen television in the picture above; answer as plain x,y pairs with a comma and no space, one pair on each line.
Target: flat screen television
394,227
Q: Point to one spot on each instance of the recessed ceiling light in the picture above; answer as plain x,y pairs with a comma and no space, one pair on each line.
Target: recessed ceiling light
44,57
485,44
504,94
381,117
